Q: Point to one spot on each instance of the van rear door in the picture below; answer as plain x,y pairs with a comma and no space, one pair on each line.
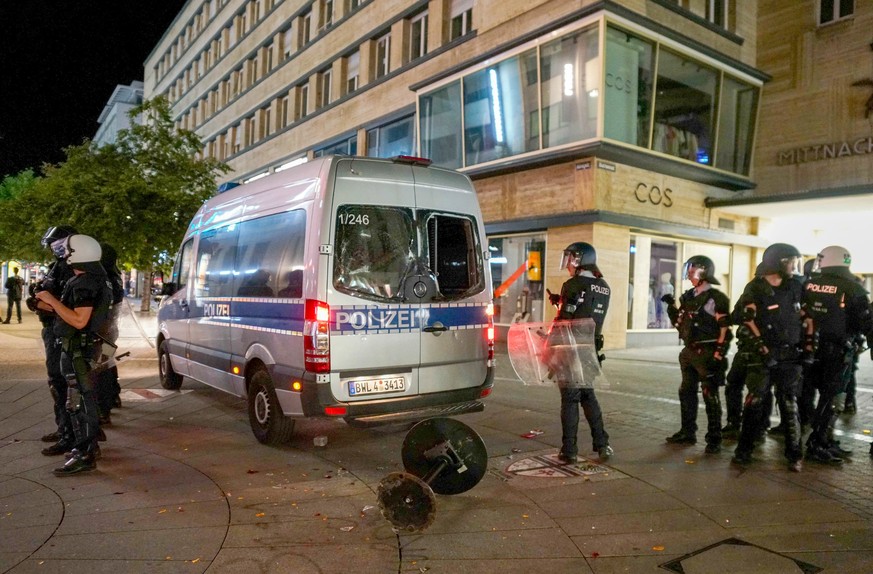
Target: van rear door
454,342
375,344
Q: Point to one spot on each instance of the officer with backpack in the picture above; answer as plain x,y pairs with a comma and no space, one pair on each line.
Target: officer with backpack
782,338
108,389
702,319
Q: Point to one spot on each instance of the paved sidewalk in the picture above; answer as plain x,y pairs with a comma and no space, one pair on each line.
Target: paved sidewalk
183,486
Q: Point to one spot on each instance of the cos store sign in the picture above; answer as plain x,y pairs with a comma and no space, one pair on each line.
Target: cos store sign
654,195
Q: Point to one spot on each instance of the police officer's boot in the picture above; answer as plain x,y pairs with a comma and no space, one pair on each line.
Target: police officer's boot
713,420
78,463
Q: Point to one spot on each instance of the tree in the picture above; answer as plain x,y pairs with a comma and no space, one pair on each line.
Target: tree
16,240
137,194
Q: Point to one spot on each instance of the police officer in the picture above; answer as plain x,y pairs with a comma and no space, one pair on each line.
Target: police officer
55,279
82,312
704,326
840,309
108,389
585,295
780,334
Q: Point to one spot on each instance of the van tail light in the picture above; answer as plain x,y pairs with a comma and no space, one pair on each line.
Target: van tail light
489,311
316,336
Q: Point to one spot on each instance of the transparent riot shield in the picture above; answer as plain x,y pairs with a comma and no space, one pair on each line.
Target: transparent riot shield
558,353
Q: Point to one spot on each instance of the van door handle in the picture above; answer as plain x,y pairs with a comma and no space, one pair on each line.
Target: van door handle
435,328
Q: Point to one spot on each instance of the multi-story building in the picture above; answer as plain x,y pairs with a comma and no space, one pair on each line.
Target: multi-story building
116,113
813,163
618,123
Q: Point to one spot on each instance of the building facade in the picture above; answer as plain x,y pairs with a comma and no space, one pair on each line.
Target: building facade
116,113
631,125
813,163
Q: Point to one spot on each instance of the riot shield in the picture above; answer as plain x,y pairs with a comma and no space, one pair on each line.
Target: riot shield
558,353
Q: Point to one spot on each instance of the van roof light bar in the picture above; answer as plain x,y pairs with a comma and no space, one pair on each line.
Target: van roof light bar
411,160
226,186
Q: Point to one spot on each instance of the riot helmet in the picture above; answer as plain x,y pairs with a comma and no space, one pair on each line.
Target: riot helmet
581,255
833,256
781,258
810,268
55,233
81,252
700,268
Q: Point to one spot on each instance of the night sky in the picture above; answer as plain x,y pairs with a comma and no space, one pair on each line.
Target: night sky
60,60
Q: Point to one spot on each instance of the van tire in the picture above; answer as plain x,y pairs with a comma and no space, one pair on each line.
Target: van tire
269,424
170,380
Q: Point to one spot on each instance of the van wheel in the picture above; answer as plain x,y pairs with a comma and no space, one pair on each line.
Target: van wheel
169,379
269,425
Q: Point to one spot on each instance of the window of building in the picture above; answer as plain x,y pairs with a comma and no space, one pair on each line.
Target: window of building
284,110
266,122
630,64
249,128
353,5
440,125
717,12
256,68
302,107
551,96
345,146
324,87
493,98
325,14
288,46
522,300
736,125
569,113
418,36
461,22
833,10
656,270
684,108
305,28
237,138
383,56
393,139
353,63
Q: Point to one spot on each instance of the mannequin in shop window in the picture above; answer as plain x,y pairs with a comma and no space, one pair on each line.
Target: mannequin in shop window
665,287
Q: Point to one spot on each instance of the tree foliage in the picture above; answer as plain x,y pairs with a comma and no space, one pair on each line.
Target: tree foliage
137,194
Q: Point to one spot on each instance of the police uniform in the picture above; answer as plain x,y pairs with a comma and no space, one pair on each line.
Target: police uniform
840,310
54,281
700,329
583,296
80,352
777,317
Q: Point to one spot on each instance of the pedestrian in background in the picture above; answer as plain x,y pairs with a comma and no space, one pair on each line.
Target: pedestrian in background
14,289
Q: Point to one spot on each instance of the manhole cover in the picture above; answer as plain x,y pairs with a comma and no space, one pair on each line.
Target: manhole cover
135,395
738,557
549,466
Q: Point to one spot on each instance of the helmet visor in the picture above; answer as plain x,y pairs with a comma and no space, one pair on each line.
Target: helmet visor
792,265
692,272
569,258
61,248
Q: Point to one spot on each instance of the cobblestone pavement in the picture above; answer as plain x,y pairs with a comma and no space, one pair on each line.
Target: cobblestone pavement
183,486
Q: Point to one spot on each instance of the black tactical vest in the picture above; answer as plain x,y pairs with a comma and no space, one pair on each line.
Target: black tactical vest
777,312
696,321
584,297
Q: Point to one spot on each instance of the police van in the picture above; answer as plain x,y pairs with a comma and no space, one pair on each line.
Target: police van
344,287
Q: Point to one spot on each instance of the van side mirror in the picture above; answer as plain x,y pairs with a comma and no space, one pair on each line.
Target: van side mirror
168,289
